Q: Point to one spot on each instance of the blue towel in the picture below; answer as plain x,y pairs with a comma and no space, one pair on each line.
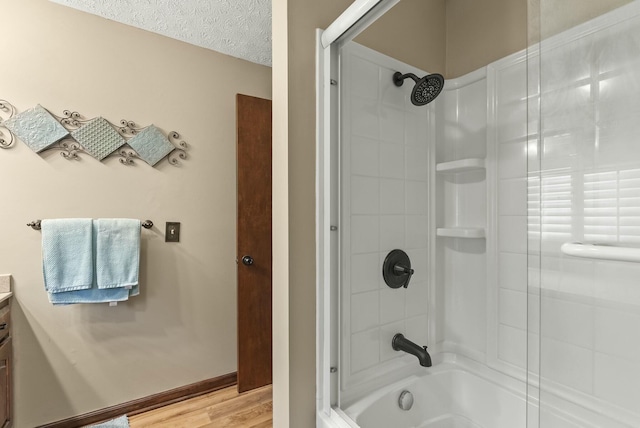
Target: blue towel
92,295
117,252
67,254
127,256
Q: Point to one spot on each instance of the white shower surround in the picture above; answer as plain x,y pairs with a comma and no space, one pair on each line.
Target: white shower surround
384,206
556,285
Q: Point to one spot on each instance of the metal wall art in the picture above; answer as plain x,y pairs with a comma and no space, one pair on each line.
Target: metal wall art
72,134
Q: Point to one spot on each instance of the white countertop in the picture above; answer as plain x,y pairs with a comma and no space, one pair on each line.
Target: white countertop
5,296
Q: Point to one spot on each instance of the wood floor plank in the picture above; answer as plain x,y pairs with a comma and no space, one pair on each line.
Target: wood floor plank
244,401
183,408
265,424
244,418
225,408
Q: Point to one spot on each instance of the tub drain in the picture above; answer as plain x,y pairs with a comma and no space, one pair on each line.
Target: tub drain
405,401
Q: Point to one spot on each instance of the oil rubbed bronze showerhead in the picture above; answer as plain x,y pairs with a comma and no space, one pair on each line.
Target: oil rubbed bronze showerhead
425,89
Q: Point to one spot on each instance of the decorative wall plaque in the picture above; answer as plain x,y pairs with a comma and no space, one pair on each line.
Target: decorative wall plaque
73,135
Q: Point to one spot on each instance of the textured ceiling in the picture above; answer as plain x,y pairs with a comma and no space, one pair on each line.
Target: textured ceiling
240,28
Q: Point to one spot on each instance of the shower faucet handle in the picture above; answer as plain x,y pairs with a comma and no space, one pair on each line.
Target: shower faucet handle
396,269
399,269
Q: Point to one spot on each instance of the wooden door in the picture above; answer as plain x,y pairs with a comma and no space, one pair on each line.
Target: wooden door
254,241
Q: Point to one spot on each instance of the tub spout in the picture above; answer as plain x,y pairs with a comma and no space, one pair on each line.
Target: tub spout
401,343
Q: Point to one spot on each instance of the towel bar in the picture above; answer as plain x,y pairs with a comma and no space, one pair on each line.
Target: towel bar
37,224
601,252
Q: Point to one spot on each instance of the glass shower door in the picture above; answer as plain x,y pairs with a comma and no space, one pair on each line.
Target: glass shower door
584,216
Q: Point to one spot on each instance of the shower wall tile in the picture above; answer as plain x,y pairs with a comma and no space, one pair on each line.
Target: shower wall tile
385,138
364,117
511,86
513,308
512,196
364,79
512,122
392,229
567,364
575,276
416,198
472,115
392,125
417,229
512,345
512,271
364,234
364,157
392,303
567,321
415,127
512,234
512,160
365,195
365,272
416,299
392,161
416,163
392,194
616,380
364,311
365,349
622,343
616,282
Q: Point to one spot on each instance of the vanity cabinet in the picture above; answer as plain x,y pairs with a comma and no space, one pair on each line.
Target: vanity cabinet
6,351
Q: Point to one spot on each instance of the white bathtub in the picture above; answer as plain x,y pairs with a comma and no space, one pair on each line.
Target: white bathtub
446,396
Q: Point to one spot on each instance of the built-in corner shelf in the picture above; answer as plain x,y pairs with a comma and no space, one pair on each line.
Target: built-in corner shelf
462,165
461,232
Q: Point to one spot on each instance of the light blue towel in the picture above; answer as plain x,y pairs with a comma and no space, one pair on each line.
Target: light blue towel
67,254
117,252
92,295
128,256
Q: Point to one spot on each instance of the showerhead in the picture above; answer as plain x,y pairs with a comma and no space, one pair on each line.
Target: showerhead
425,90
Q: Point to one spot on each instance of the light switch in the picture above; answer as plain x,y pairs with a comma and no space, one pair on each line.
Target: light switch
172,232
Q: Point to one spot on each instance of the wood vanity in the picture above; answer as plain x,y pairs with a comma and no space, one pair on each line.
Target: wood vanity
6,366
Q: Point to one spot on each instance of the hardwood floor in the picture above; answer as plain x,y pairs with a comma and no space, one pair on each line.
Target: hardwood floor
219,409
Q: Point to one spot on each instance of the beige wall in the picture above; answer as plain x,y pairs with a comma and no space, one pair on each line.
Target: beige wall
72,360
480,32
280,207
413,31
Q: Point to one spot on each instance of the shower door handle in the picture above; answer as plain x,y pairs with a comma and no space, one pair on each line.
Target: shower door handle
247,260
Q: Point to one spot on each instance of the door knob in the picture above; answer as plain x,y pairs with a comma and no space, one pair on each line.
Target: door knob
247,260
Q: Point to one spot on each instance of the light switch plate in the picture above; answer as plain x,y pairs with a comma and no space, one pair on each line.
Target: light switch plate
5,283
172,232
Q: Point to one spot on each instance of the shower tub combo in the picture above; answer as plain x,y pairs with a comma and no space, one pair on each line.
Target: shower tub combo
429,202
